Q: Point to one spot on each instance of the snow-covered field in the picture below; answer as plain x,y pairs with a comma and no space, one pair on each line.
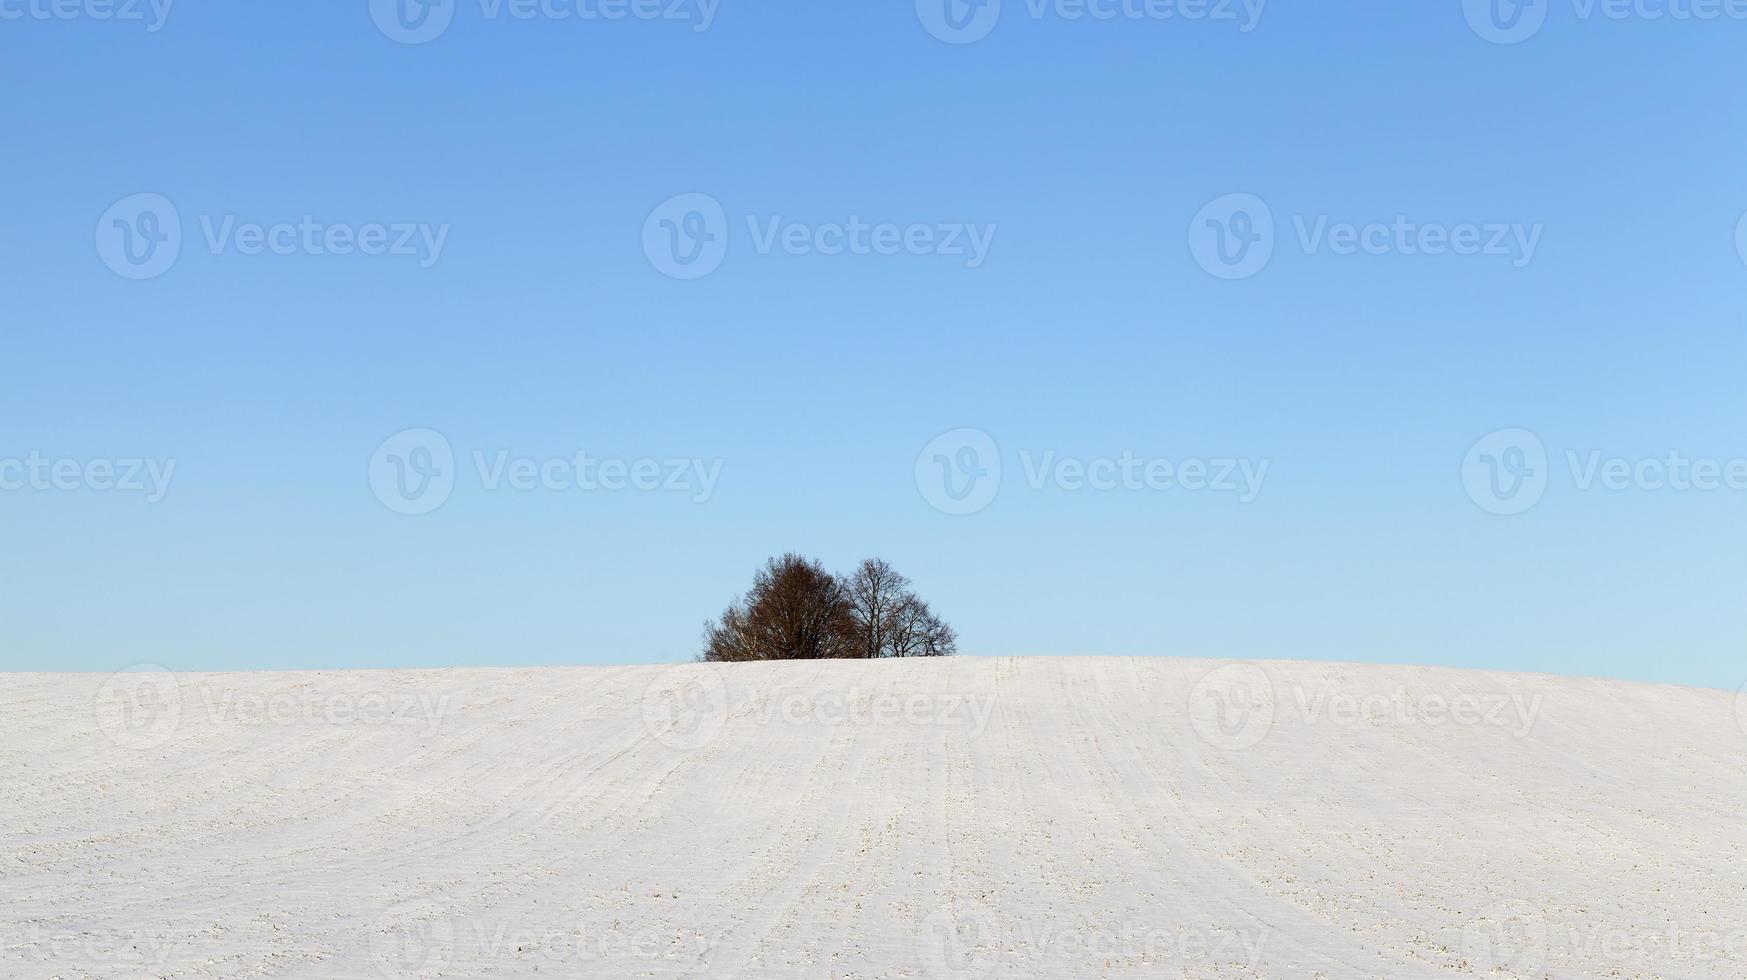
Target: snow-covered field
965,818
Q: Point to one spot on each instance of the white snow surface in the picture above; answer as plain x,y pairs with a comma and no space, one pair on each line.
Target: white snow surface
958,819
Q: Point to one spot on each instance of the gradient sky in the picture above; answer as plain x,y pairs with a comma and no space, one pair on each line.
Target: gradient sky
545,327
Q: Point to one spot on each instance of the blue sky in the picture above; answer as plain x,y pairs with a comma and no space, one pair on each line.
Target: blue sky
516,179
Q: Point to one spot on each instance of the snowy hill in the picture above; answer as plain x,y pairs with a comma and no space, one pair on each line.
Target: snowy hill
965,818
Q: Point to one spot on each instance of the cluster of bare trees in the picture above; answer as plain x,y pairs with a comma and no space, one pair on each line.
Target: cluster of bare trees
797,610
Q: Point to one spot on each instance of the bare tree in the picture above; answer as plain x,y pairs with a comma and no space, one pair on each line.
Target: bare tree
796,610
916,632
732,639
890,620
937,638
876,593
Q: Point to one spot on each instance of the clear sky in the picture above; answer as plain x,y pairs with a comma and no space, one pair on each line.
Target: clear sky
752,259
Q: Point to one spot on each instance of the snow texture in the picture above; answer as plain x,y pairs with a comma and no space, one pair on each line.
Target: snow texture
957,819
